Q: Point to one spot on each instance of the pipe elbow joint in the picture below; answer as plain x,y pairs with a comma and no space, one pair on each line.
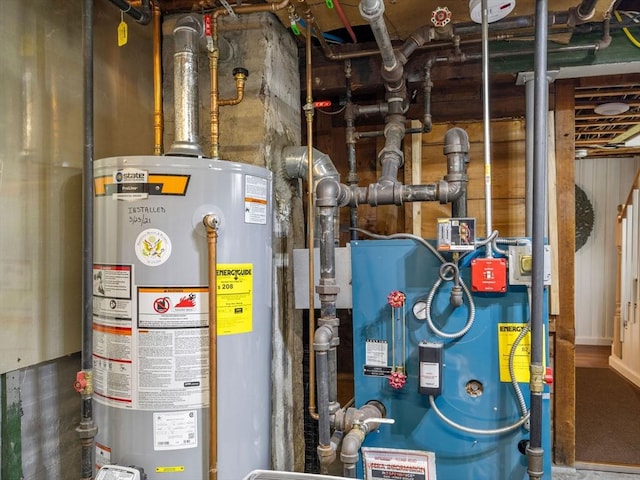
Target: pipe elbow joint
322,339
327,192
326,454
189,21
450,191
456,140
393,77
351,444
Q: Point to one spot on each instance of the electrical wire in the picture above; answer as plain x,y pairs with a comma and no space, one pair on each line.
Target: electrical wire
334,112
626,31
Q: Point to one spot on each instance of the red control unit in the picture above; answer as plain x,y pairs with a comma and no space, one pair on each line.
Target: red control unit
489,275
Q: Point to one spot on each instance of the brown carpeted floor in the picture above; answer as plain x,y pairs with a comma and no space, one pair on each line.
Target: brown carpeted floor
607,418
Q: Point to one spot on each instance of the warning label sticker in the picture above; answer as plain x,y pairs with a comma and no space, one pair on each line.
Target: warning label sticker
234,298
255,200
169,307
112,281
507,335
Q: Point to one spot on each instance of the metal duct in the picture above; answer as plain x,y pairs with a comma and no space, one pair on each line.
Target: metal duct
186,35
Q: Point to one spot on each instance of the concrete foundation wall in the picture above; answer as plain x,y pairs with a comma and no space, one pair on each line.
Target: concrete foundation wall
255,131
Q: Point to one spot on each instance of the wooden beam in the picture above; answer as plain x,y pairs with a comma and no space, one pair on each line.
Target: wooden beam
564,424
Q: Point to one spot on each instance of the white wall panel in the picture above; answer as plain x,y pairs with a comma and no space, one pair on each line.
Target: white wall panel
607,183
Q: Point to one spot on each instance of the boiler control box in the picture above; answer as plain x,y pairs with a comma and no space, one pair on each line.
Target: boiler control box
489,275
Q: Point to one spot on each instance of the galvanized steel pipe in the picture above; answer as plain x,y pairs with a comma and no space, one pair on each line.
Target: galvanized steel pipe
534,449
186,35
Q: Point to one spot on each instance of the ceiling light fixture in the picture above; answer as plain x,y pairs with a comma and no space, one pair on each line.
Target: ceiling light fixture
611,108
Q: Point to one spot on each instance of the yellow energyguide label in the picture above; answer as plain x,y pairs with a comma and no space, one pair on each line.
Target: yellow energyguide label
507,335
234,287
179,468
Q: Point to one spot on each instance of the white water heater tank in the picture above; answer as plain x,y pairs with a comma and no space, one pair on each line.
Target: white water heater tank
150,311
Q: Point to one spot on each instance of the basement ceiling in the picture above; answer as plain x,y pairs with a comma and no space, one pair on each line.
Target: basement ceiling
602,135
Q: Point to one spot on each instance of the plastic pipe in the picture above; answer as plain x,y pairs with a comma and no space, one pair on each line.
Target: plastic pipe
345,20
211,226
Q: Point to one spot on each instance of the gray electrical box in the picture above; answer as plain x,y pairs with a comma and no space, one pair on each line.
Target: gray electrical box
521,264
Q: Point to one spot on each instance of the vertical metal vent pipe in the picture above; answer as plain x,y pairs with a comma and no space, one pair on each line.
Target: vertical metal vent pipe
186,35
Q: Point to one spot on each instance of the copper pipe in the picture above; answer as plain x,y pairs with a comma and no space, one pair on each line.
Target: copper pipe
213,66
240,75
158,124
211,226
308,108
215,107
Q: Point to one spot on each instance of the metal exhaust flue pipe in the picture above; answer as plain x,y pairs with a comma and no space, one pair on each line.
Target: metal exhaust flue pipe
186,36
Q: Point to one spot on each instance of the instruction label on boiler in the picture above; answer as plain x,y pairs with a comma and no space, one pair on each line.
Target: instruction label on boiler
396,464
234,298
507,335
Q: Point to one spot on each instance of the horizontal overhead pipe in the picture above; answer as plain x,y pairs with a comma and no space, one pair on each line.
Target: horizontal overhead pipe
141,15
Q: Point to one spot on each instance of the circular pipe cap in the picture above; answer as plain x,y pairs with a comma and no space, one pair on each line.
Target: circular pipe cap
240,71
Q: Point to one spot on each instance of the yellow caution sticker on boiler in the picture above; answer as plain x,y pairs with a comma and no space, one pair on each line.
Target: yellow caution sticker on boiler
507,335
179,468
234,298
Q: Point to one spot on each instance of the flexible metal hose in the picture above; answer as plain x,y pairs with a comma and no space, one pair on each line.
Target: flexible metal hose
470,317
476,431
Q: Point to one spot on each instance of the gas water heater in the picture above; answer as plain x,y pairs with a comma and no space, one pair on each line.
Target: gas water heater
150,315
440,360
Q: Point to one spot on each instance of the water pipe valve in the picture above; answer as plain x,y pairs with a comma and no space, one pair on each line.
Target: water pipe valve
81,382
440,17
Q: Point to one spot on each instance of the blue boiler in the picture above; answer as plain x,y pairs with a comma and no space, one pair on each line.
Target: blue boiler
474,391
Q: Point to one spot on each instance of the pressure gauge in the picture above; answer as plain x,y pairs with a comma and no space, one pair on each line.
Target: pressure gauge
420,309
